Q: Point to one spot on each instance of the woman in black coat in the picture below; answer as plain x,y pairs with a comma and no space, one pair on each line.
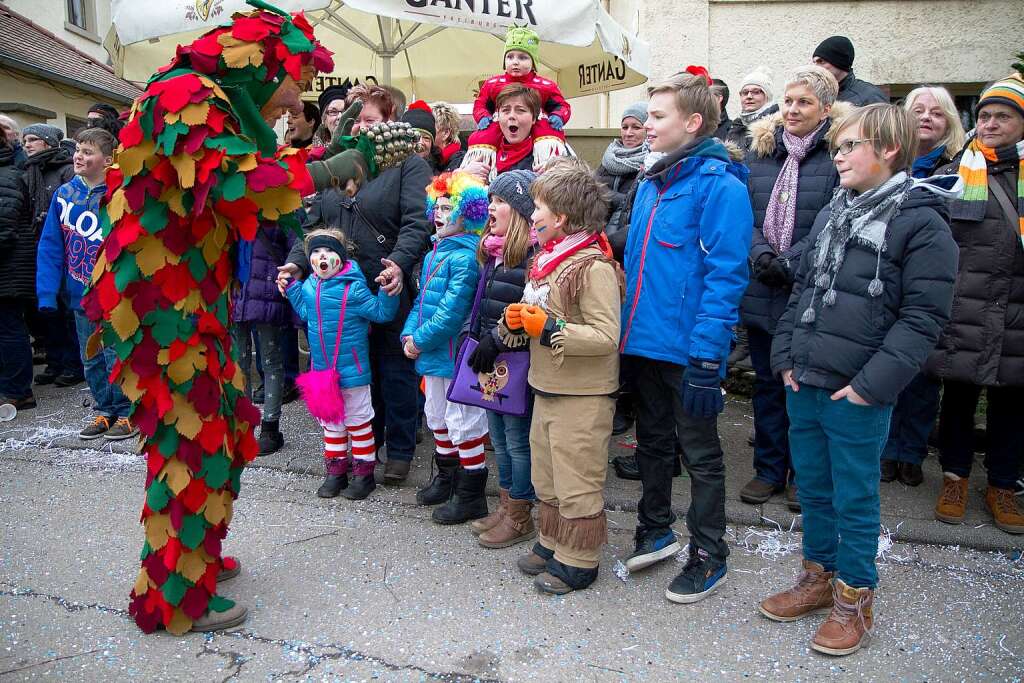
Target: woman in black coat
621,164
791,173
18,286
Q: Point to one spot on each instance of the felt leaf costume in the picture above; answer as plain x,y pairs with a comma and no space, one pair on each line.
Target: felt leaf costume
198,170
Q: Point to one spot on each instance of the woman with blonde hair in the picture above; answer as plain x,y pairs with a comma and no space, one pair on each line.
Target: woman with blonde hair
940,133
447,145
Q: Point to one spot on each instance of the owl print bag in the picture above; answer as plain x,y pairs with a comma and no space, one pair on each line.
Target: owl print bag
503,390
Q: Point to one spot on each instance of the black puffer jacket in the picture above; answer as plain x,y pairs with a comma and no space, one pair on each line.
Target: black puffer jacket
875,344
56,169
17,240
504,286
984,341
859,93
619,187
762,305
739,132
386,219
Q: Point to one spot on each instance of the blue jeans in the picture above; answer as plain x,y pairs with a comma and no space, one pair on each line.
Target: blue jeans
837,453
510,437
15,351
771,426
912,420
395,389
108,399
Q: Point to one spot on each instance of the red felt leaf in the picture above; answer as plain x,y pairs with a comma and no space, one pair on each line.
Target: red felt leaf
205,396
171,553
195,601
208,44
209,289
209,580
143,359
177,350
155,568
147,619
132,134
250,29
265,175
176,509
210,161
211,544
175,281
194,495
145,419
215,119
301,180
211,436
176,92
241,214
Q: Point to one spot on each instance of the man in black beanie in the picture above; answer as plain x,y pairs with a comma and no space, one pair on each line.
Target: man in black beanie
835,54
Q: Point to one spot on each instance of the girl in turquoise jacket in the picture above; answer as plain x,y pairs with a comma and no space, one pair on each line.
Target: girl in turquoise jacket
457,207
338,307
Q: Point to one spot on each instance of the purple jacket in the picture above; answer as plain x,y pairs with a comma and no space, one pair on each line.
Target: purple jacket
257,300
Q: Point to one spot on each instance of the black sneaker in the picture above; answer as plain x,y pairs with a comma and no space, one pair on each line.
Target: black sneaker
911,474
890,470
69,379
27,403
700,577
651,548
99,426
626,467
45,377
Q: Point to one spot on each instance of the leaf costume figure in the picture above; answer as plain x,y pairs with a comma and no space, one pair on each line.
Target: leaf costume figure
198,170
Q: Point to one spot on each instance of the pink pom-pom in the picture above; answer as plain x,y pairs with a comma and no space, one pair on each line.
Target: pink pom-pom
321,390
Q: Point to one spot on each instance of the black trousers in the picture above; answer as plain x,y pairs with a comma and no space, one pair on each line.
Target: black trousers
1005,437
659,418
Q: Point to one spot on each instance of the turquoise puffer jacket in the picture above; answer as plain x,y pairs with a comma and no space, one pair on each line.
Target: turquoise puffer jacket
318,302
447,287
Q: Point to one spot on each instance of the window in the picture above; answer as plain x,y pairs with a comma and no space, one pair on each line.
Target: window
81,18
77,14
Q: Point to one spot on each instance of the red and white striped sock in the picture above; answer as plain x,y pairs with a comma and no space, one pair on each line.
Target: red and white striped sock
471,454
335,443
443,445
363,445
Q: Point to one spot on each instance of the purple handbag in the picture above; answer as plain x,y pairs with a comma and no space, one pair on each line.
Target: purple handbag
504,390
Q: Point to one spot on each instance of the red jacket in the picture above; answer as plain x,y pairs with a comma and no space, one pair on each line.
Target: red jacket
551,100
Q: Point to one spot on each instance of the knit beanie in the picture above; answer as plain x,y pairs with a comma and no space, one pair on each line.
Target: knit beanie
638,110
514,188
837,51
331,93
525,39
51,135
1009,91
419,116
760,77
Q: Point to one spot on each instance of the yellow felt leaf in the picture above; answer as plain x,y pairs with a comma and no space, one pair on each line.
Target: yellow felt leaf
213,508
130,383
176,475
173,198
116,207
185,165
276,200
184,416
171,117
150,254
131,160
239,54
190,304
213,244
238,381
246,163
195,114
158,529
94,344
191,565
99,268
180,623
182,369
123,319
142,582
163,356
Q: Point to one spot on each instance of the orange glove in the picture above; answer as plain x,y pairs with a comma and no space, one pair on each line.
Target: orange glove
513,317
534,318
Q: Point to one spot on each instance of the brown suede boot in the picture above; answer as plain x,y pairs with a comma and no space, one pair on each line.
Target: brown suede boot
849,624
478,526
811,594
952,501
514,527
1003,506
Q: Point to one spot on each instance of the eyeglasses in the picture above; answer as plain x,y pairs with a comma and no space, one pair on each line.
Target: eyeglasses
751,92
334,112
847,146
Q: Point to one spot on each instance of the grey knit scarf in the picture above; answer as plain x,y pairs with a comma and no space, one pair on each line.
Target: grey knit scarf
619,160
859,218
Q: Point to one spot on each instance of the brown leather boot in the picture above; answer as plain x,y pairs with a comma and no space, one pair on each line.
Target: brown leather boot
849,624
1003,506
952,501
514,527
478,526
811,594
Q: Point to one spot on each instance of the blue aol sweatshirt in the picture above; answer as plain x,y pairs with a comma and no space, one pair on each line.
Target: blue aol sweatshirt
69,244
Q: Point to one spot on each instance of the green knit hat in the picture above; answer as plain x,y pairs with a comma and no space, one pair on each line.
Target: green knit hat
525,39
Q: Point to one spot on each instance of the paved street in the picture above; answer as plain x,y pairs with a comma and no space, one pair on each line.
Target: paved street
374,590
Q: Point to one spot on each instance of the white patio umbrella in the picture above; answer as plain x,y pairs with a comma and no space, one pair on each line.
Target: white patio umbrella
431,49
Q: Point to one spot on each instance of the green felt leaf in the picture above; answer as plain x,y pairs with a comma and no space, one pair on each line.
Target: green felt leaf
233,187
146,550
193,529
294,39
196,263
236,479
126,271
215,470
169,137
157,495
231,144
166,325
168,443
154,216
219,604
174,588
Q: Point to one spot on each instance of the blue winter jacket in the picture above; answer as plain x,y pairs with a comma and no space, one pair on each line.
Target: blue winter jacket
447,287
318,302
69,244
686,256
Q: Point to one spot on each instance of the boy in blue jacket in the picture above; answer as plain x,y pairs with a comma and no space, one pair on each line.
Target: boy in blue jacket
68,246
457,207
686,270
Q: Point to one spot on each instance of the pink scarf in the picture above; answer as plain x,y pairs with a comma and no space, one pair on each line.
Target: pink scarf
493,245
780,216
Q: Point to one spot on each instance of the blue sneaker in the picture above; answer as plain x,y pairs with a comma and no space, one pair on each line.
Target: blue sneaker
651,548
699,578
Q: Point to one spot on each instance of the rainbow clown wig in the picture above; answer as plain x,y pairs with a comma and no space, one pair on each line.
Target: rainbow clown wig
468,195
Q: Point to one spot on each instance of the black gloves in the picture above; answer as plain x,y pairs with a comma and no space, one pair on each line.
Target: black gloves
483,356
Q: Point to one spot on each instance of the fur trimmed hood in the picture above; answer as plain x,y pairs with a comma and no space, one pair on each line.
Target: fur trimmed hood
763,131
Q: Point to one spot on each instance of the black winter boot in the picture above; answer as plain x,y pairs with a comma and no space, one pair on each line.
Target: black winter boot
440,487
271,439
332,486
468,500
362,483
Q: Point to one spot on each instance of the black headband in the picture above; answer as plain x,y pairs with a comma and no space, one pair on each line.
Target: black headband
329,242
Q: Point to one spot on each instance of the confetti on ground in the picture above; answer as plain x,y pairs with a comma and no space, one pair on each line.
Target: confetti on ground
620,570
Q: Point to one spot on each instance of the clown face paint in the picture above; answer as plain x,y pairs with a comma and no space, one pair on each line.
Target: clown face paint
325,263
442,218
